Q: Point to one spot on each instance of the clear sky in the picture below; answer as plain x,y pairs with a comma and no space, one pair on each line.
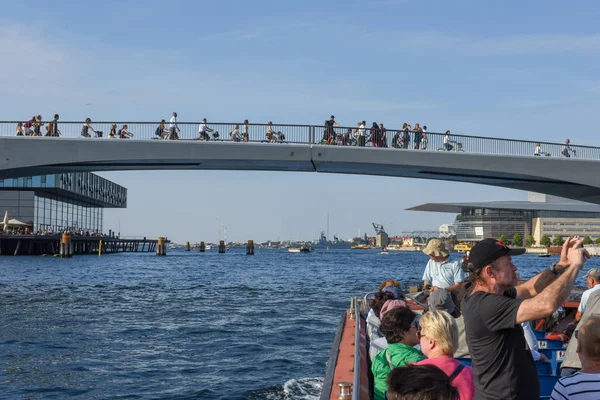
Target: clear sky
515,69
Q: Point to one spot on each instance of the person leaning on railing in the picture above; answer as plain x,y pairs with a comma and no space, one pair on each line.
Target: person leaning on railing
418,136
406,135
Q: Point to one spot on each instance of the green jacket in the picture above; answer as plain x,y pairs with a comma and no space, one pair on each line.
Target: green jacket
400,355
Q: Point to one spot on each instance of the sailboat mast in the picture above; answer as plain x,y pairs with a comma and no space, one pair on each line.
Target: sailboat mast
327,226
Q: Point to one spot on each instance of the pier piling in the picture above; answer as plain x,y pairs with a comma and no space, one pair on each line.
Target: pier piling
221,246
202,247
66,246
187,246
161,248
250,248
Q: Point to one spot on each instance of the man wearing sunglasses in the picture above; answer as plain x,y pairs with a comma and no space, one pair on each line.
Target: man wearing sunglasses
495,307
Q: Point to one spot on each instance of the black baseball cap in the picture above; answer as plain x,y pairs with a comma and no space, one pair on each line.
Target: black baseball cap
489,250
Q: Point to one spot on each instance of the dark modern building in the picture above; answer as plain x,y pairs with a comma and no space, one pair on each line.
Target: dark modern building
58,202
541,215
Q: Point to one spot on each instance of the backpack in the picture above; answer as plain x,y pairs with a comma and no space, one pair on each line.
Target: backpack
158,131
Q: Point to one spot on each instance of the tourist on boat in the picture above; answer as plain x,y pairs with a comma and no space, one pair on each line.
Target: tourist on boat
583,385
173,128
375,346
495,308
396,291
566,149
373,318
440,272
420,382
438,337
441,300
571,362
417,136
532,343
86,128
399,326
593,284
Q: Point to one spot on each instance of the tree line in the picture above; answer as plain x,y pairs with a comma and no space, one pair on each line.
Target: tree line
545,240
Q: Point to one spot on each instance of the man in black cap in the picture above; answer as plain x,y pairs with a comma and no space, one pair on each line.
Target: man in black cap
495,307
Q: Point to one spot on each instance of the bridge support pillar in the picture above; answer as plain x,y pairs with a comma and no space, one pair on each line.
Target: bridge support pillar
66,246
250,248
161,247
222,246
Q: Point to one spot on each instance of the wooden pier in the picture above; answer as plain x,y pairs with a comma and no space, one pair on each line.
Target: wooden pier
36,245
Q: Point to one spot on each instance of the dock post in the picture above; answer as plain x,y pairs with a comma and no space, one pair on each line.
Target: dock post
161,248
66,246
250,248
202,247
221,246
100,248
18,247
187,246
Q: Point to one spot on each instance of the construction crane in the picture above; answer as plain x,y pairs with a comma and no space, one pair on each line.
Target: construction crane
378,228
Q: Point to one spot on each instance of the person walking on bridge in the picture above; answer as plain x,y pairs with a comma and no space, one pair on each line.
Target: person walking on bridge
567,149
173,128
495,307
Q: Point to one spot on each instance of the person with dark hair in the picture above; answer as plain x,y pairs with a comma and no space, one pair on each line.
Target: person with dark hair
173,128
418,135
496,307
329,132
245,136
86,128
382,139
52,127
420,382
376,345
399,326
373,321
375,134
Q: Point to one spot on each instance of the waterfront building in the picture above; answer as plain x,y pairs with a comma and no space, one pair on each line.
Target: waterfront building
447,230
72,201
540,215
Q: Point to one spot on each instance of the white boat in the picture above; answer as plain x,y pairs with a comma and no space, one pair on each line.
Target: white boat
294,249
207,247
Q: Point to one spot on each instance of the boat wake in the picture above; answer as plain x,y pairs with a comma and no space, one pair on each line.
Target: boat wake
294,389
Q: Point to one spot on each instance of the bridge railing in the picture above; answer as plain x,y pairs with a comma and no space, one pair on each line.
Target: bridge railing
314,134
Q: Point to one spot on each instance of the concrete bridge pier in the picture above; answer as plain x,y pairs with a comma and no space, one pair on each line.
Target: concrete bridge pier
161,247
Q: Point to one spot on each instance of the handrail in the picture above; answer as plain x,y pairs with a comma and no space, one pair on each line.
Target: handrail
319,135
356,378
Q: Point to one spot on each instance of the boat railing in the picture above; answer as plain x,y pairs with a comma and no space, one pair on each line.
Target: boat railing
320,135
357,346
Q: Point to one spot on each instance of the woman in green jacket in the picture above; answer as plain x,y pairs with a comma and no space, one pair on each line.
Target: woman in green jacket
399,326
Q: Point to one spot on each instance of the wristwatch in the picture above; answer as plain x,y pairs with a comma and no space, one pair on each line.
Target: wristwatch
553,269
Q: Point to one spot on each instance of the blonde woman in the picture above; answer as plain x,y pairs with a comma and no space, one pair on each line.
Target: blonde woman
20,129
113,131
438,336
271,137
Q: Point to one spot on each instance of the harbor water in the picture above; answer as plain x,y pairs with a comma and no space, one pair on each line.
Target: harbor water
185,326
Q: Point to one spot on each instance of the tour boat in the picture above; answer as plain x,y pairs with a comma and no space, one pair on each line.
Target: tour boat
360,247
348,372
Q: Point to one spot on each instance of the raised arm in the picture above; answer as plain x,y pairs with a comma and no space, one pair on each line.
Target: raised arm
550,298
535,285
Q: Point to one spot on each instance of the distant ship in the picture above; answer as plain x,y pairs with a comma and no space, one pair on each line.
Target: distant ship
336,243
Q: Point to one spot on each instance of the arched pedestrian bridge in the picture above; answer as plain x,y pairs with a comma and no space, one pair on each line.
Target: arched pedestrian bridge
496,162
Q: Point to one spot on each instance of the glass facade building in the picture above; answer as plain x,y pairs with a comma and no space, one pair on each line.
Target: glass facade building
58,202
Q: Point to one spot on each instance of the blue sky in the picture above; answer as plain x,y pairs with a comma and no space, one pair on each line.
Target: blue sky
524,70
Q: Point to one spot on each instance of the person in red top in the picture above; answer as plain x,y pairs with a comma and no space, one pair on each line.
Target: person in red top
438,337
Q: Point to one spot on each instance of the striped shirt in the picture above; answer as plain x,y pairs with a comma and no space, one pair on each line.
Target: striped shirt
579,386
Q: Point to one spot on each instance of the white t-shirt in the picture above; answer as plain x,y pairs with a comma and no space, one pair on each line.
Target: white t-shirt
446,139
361,130
579,386
202,128
585,296
173,122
